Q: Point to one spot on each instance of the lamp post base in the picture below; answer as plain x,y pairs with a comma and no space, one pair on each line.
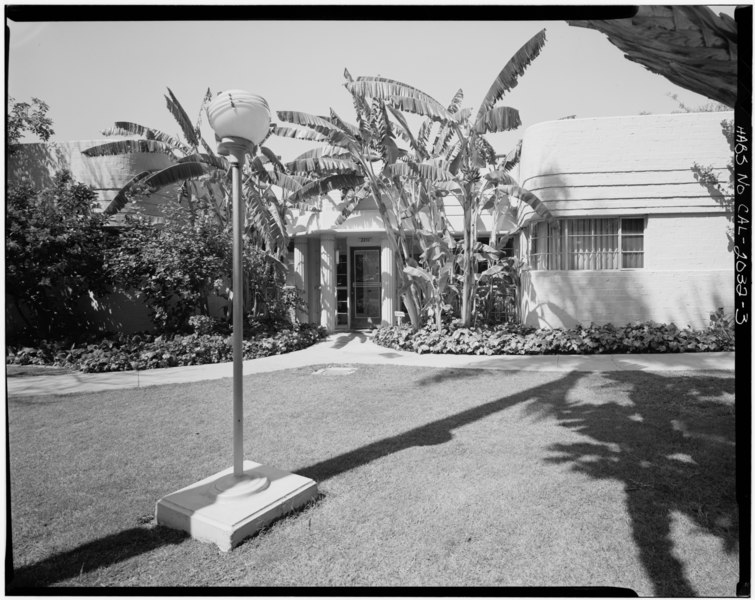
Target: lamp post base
225,509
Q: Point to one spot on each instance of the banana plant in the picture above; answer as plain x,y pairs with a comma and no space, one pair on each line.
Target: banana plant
461,142
365,159
198,178
410,175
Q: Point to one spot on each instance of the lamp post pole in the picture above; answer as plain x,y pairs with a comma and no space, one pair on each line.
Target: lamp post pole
237,502
235,149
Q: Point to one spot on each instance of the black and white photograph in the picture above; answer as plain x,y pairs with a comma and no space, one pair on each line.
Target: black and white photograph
391,299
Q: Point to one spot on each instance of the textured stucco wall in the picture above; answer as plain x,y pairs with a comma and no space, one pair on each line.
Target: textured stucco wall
688,273
38,163
633,166
565,298
624,165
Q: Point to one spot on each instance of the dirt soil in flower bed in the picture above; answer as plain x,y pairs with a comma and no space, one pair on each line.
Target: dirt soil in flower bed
428,477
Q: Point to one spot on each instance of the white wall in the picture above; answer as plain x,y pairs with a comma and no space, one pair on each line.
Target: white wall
624,165
634,166
688,274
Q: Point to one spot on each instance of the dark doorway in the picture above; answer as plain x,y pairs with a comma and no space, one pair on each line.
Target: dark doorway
366,287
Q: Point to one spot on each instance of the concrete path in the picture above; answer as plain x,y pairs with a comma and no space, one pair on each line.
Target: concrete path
356,348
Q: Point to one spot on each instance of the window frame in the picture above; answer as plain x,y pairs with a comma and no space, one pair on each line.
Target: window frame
560,254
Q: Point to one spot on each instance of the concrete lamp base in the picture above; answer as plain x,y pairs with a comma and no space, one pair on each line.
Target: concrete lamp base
225,509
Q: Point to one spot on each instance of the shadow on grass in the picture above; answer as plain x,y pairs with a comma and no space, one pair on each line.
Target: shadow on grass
673,449
437,432
92,556
448,374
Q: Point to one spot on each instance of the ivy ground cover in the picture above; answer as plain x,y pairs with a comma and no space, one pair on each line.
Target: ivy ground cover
428,477
595,339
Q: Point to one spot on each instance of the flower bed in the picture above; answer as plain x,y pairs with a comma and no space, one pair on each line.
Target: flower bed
144,351
595,339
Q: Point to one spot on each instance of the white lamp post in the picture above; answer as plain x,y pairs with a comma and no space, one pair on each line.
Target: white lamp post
241,120
234,504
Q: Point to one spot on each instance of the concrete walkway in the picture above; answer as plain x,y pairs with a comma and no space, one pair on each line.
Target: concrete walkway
356,348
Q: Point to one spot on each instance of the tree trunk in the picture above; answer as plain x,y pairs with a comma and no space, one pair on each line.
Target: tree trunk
468,275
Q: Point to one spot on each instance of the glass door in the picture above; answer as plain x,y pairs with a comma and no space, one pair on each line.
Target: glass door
365,288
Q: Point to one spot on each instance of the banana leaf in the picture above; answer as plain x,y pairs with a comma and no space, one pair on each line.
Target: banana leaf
419,106
286,182
484,150
128,147
500,177
176,174
528,198
500,118
257,168
327,184
421,152
179,114
508,77
349,207
299,134
272,157
273,207
455,104
418,273
341,124
384,88
423,135
342,139
463,115
127,128
319,124
512,158
216,161
422,170
121,198
323,164
205,103
329,151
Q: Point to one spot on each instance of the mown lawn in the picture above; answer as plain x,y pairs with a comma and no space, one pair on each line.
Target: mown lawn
428,477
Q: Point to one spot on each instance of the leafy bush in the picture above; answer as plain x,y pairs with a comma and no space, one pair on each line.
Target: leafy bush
179,264
175,266
53,250
596,339
144,351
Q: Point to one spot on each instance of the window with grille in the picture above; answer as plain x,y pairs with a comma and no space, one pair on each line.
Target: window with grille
588,244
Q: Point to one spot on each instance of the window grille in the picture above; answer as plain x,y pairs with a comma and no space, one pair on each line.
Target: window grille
588,244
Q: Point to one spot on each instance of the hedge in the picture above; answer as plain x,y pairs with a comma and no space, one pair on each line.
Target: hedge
595,339
144,351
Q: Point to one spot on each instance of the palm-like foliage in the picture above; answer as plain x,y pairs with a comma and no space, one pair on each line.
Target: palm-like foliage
199,179
410,175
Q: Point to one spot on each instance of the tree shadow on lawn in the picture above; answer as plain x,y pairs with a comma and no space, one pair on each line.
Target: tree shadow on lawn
91,556
440,431
122,546
673,448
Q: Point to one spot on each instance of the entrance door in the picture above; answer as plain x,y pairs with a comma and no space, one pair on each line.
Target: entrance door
365,287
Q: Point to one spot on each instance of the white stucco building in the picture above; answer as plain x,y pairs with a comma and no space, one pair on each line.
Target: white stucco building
636,236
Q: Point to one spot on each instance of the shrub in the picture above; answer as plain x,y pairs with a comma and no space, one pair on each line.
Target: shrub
144,351
595,339
175,266
54,254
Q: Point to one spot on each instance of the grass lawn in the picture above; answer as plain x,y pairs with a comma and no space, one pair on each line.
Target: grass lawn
428,477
